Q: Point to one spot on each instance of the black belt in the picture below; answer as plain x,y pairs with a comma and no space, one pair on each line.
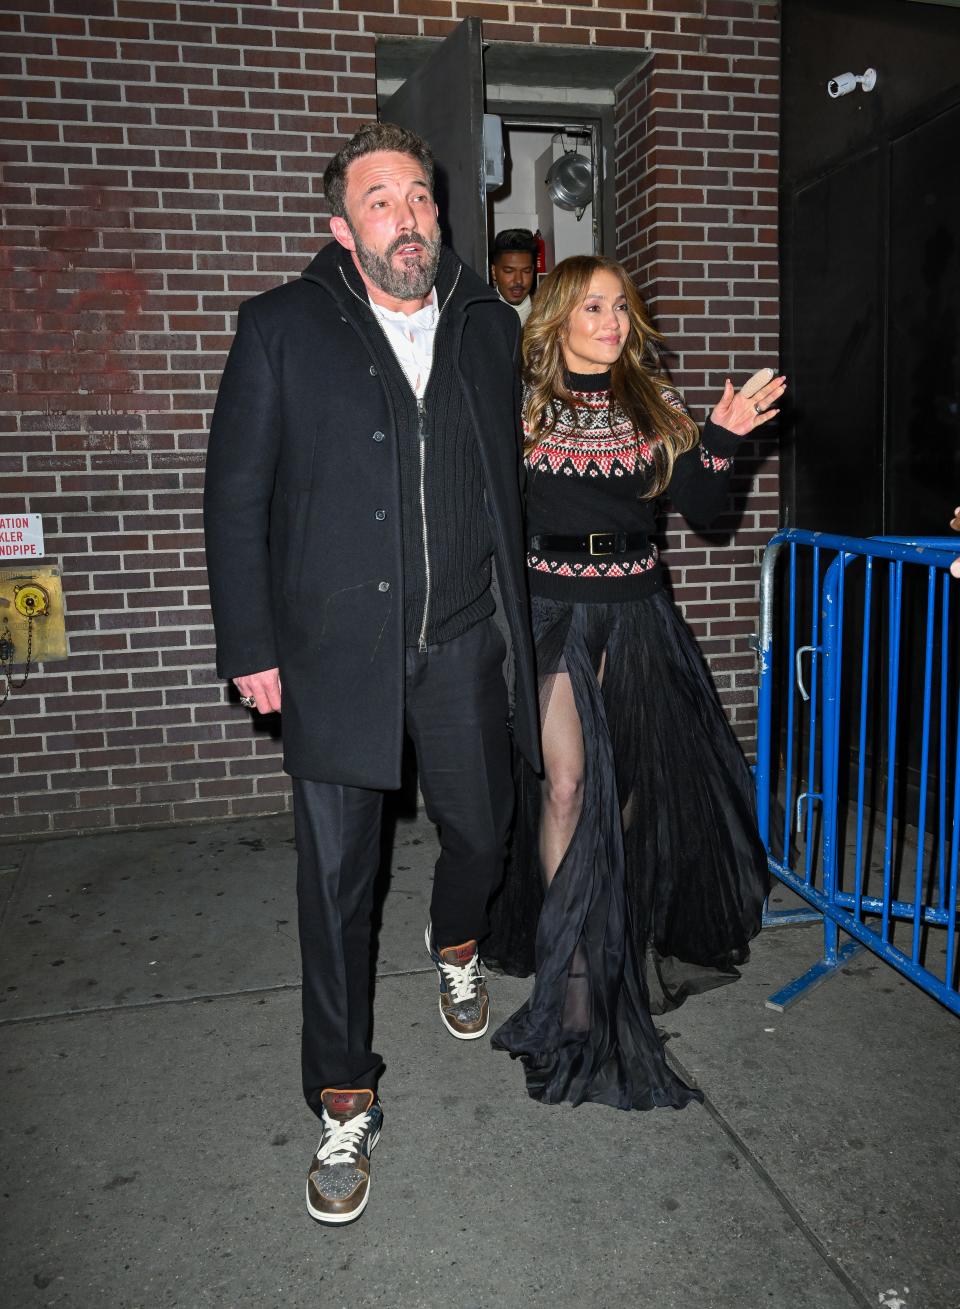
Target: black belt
594,543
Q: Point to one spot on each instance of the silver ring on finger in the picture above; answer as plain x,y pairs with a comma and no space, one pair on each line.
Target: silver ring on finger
248,701
756,408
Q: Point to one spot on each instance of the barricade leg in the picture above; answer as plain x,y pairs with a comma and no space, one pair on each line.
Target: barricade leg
788,917
834,957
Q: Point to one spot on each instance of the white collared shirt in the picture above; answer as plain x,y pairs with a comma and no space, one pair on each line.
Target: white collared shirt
411,337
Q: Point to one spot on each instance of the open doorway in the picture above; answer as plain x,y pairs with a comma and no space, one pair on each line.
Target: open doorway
531,146
441,89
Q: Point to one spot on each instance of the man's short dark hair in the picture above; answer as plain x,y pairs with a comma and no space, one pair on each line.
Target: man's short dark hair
514,240
371,138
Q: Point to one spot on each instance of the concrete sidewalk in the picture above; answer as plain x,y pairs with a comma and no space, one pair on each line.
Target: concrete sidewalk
155,1143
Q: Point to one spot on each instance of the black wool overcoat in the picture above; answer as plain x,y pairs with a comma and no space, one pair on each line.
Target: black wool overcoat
302,515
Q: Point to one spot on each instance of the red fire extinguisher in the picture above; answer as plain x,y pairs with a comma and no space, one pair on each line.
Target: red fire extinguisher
541,252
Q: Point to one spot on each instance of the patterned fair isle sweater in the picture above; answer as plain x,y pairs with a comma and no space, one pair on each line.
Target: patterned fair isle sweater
587,475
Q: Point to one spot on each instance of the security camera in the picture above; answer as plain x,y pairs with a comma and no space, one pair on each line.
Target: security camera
841,85
844,83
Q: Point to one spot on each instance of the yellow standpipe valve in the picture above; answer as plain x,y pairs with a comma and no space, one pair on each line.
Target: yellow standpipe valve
31,600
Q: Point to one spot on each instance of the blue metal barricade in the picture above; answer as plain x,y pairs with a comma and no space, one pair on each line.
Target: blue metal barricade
858,748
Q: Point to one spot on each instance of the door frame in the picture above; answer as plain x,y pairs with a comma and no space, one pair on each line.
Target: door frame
549,73
599,118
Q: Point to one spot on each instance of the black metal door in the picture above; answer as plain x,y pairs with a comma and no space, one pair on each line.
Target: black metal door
443,102
874,284
923,427
870,201
836,373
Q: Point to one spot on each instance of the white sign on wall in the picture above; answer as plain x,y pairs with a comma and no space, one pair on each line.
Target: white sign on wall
21,536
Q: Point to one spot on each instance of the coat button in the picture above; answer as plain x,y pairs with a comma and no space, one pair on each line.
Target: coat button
373,371
380,515
378,436
383,586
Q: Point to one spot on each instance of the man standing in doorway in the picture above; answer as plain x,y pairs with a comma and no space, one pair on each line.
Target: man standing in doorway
513,262
362,476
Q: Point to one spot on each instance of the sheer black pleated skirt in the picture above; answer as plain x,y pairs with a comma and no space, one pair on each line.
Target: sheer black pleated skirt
663,883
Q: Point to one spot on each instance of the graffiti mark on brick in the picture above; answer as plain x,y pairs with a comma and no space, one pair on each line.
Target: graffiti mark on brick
71,329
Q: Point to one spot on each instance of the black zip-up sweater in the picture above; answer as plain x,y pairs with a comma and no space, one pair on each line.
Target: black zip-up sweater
447,542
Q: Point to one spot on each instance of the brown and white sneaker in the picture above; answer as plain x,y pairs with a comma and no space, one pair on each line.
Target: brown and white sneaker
338,1182
464,1003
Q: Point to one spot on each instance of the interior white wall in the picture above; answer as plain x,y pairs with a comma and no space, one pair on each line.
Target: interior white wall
523,200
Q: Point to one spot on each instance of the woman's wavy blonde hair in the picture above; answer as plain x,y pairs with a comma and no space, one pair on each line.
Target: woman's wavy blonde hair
637,383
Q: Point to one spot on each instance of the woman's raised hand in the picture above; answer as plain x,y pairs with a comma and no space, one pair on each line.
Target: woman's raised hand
740,414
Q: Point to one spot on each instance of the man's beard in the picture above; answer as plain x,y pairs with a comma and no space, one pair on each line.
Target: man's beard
414,279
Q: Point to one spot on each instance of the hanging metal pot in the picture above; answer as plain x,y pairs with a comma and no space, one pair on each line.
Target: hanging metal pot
570,181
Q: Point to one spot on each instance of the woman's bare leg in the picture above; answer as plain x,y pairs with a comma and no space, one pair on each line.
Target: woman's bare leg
561,802
562,788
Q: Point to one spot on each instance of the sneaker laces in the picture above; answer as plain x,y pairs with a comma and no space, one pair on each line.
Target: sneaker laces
341,1141
462,982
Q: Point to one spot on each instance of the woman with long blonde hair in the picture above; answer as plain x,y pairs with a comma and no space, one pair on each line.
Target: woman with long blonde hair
636,867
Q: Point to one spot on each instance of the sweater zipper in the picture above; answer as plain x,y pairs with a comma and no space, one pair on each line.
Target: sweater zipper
422,447
422,451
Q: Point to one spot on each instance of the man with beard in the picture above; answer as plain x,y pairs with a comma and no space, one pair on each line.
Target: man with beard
362,478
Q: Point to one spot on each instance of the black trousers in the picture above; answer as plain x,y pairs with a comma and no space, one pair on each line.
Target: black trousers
456,714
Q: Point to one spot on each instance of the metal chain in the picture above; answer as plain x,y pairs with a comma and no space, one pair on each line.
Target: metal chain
7,664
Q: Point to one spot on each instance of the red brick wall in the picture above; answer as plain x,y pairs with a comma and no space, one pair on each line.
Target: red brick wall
163,162
697,225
